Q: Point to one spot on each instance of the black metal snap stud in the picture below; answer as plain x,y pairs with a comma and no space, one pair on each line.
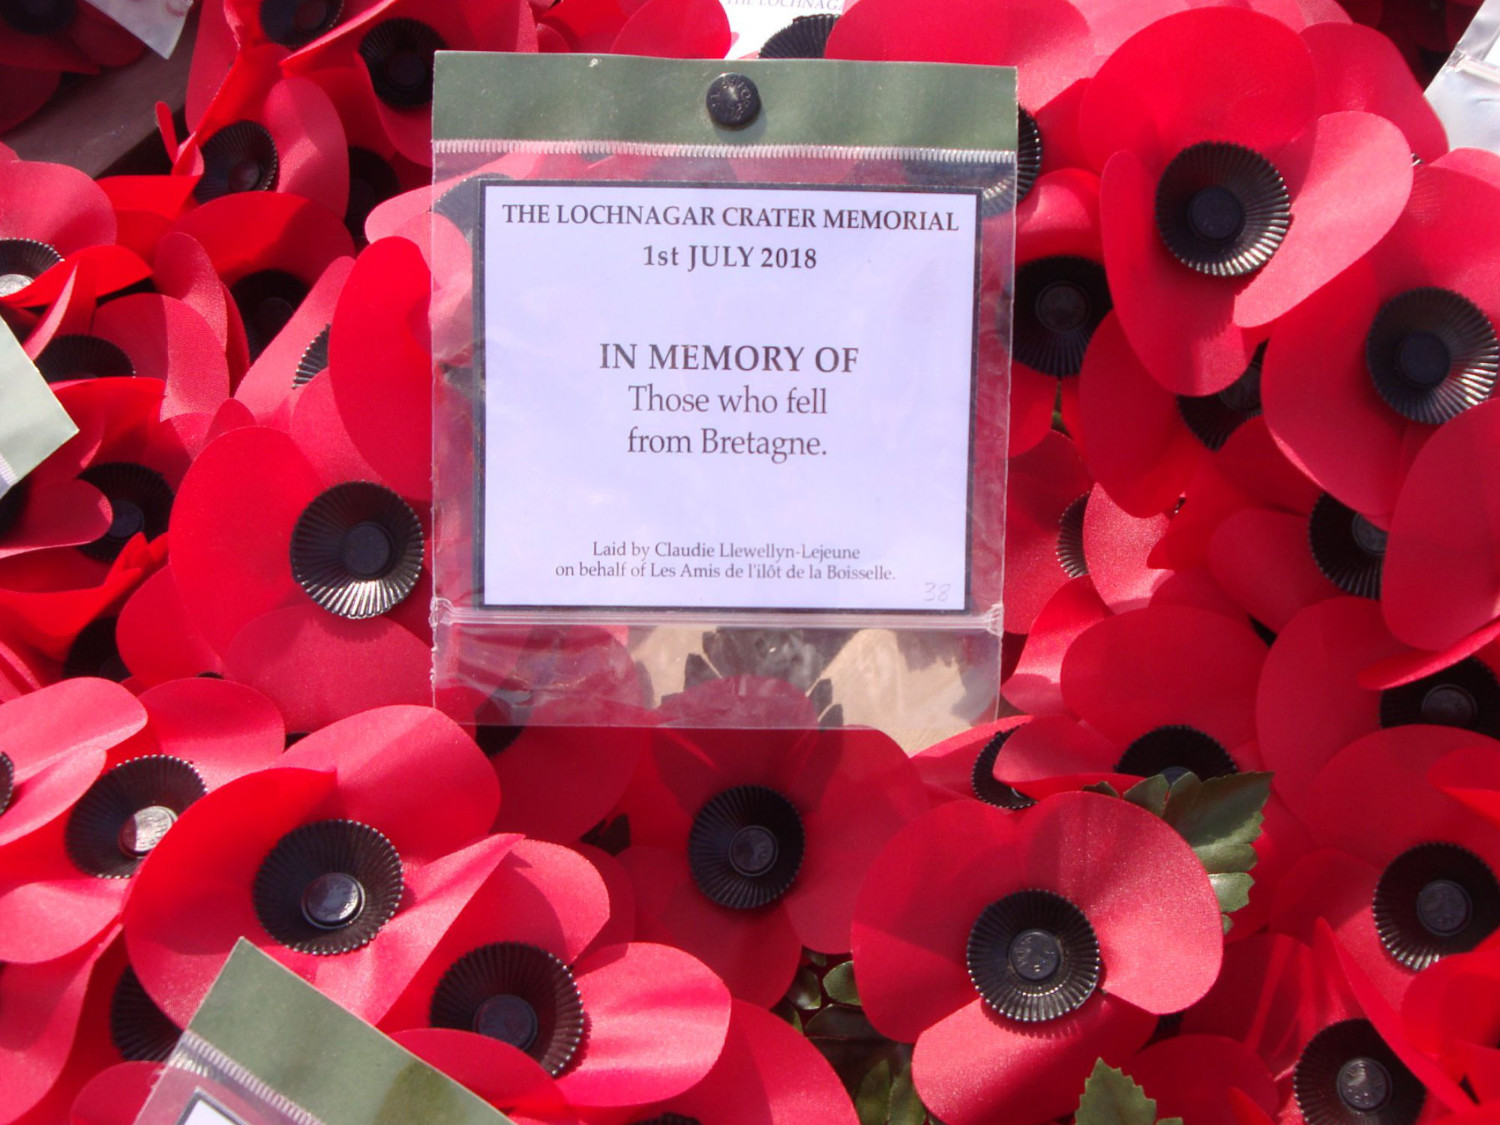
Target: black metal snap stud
371,182
357,550
7,781
1464,695
239,157
38,17
121,818
733,101
1435,900
328,887
1432,354
1346,1075
266,300
1070,538
81,356
1349,549
803,38
94,653
141,1031
398,54
314,359
1212,418
1176,750
22,261
745,847
518,994
1033,956
140,501
984,783
1222,209
295,23
1059,301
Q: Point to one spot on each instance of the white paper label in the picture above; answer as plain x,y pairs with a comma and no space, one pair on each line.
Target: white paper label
755,21
204,1111
727,397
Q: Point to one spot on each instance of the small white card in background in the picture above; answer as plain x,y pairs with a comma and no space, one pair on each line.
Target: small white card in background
203,1110
755,21
33,423
156,23
727,397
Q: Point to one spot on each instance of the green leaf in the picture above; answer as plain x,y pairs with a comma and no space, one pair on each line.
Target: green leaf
873,1099
1150,794
906,1107
838,982
1110,1097
805,992
839,1022
1220,819
1102,787
818,959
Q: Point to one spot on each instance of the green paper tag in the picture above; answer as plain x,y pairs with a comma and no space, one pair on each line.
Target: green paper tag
33,423
266,1048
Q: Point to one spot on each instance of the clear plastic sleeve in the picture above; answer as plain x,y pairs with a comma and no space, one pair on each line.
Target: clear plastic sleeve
720,420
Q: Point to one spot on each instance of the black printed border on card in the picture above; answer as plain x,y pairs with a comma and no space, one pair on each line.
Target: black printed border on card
201,1098
849,617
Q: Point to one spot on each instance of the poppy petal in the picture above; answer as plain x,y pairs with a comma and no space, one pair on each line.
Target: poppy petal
657,1022
510,1080
1261,559
974,1067
156,638
115,1095
1035,685
42,1004
756,953
675,29
561,781
1187,1076
224,729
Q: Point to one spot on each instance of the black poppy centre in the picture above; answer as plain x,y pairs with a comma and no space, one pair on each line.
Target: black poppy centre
398,54
1033,956
1348,548
140,1030
1222,209
1213,418
1434,900
745,847
38,17
294,23
987,787
140,502
22,261
357,550
328,887
1465,694
1059,301
78,355
121,818
1175,750
1347,1075
1432,354
1070,553
517,993
266,300
239,157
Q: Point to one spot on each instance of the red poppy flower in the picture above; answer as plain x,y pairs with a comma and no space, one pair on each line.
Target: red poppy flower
64,883
1452,1012
767,1074
346,861
1359,68
747,846
1406,875
391,43
116,1095
1047,489
43,1003
1056,918
319,555
1349,391
1444,512
26,91
663,28
1311,701
962,767
268,249
1033,685
263,132
1200,188
1191,1076
619,1025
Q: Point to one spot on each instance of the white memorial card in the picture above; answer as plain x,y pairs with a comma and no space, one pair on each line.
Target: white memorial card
734,398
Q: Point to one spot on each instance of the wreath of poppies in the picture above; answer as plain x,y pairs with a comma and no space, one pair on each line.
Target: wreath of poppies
1231,853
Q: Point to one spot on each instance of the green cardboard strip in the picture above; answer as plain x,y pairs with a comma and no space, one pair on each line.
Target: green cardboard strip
33,423
316,1054
839,104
